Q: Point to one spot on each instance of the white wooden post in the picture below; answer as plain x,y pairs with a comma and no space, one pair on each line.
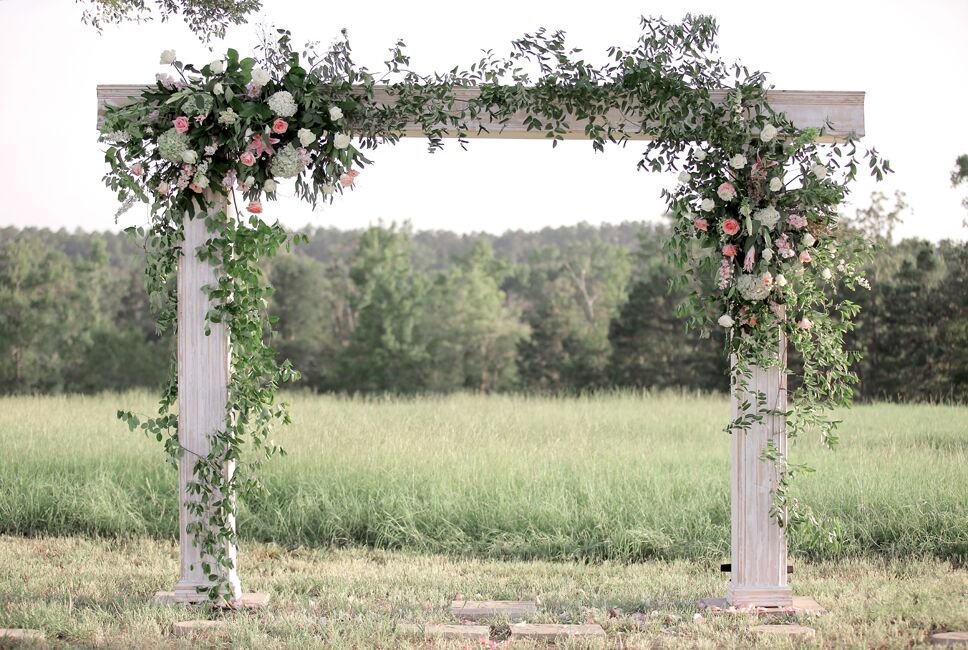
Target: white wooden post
203,377
759,551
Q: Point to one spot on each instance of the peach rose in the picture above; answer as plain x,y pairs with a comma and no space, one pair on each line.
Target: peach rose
279,126
255,207
729,250
731,226
701,224
805,257
247,159
181,124
195,188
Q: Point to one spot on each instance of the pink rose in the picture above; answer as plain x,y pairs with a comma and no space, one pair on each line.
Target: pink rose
163,188
726,192
731,226
247,159
701,224
805,257
797,221
255,207
279,126
729,250
137,169
181,124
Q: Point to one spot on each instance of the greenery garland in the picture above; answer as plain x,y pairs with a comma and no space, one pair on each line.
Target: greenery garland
756,208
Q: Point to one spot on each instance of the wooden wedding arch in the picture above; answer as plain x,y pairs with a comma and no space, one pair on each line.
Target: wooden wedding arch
758,544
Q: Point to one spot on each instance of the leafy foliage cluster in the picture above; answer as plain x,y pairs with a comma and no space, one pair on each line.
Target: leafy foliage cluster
666,86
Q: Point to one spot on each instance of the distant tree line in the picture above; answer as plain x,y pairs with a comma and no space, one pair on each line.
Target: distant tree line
388,310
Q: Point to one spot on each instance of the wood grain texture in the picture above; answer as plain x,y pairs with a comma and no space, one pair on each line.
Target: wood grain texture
758,544
806,108
203,378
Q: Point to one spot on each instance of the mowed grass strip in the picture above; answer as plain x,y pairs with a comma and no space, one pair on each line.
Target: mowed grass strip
86,592
621,477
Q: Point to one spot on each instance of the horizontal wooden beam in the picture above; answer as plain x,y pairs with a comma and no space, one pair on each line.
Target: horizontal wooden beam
806,108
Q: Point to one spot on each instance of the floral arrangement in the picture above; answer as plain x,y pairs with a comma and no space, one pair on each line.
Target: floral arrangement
230,126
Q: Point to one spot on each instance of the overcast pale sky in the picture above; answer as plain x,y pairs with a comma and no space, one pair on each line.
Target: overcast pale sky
908,56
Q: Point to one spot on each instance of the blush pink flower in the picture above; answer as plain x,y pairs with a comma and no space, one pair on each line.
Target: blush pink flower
701,224
750,259
279,125
729,250
804,323
247,159
137,170
731,226
348,178
194,188
767,279
726,192
805,257
255,207
181,124
797,221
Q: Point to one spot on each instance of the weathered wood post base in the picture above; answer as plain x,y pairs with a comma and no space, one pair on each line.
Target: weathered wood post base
758,543
203,379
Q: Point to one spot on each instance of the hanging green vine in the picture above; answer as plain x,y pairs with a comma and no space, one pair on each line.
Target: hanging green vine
756,207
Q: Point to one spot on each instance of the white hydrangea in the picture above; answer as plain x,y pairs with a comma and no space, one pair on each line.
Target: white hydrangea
341,140
228,116
826,274
172,144
738,161
775,184
819,172
768,133
780,280
707,205
752,287
286,163
767,216
260,77
684,176
809,240
282,104
167,57
335,113
115,137
306,137
328,189
270,185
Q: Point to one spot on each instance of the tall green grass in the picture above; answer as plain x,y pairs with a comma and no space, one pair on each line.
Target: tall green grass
618,476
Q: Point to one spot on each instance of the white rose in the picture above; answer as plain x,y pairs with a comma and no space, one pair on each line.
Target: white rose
335,113
341,140
775,184
819,172
167,57
809,240
826,274
780,281
270,185
217,89
707,205
699,155
306,137
768,133
249,180
684,177
189,157
216,66
725,320
738,161
767,254
260,77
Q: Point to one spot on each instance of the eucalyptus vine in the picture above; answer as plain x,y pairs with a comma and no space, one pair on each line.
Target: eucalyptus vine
756,208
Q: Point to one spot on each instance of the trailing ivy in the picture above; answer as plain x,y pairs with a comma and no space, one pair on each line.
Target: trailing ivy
757,206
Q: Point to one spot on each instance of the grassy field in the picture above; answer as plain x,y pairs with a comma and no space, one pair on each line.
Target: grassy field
98,593
385,510
617,477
